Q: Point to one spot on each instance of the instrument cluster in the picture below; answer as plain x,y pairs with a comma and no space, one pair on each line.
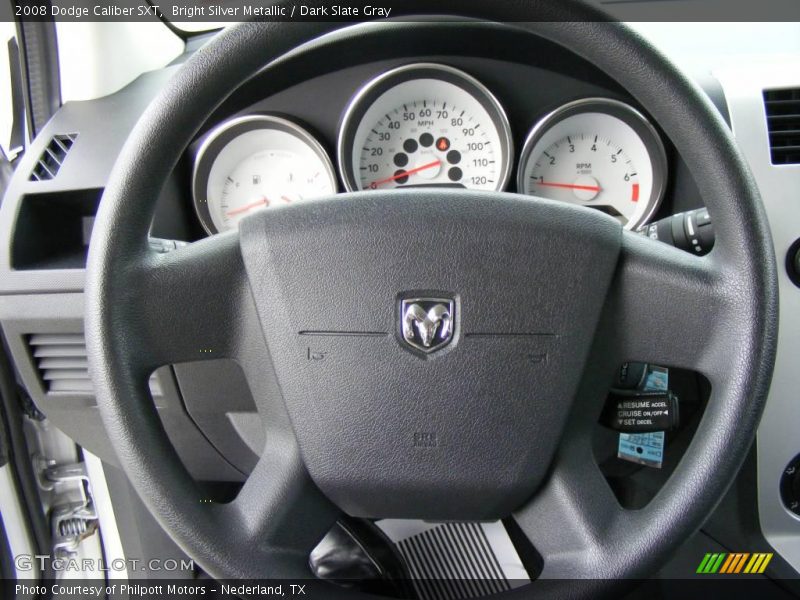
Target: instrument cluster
431,125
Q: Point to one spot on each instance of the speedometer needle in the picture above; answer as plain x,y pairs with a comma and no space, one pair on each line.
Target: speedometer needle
570,186
430,165
247,207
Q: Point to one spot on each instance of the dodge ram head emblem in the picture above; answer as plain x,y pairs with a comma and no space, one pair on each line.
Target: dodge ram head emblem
427,323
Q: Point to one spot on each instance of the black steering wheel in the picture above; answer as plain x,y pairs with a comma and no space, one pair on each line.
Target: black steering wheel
501,434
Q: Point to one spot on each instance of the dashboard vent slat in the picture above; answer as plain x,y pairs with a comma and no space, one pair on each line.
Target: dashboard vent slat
53,157
82,386
787,133
58,350
783,124
66,362
57,374
60,359
58,338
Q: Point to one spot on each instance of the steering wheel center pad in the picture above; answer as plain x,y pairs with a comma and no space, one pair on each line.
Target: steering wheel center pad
465,432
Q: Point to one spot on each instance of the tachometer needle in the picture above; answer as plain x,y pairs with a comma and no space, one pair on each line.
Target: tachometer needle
246,207
569,186
430,165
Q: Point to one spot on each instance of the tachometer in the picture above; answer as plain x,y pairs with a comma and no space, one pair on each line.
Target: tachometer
425,125
599,153
257,162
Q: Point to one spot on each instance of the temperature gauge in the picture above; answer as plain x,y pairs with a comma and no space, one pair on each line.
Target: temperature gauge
255,163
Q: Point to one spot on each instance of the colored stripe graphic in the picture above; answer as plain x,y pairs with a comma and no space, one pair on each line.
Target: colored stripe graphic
740,564
711,563
759,562
727,564
703,563
734,563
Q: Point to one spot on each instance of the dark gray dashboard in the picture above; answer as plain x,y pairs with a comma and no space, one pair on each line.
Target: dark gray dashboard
47,224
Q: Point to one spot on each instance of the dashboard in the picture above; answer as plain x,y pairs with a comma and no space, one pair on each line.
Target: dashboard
433,125
554,128
520,115
476,105
473,106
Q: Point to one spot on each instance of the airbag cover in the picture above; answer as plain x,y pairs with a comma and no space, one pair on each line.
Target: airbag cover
464,432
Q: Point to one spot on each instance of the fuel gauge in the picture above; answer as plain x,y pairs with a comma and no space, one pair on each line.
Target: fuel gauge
254,163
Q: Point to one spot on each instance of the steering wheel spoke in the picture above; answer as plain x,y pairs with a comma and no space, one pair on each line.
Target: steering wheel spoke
662,308
195,303
191,302
569,518
280,513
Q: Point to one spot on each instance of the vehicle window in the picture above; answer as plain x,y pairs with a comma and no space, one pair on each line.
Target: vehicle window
96,59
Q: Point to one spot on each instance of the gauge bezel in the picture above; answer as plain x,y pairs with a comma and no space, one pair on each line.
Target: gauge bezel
625,113
224,133
361,102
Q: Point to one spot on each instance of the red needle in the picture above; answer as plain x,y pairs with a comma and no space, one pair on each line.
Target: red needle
247,207
430,165
569,186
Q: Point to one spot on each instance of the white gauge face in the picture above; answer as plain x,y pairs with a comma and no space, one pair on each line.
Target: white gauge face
258,163
594,159
426,131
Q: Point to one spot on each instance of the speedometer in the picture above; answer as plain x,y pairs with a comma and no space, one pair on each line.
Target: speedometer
425,125
599,153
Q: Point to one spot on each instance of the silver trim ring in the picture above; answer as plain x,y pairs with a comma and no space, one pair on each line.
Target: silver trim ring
202,156
621,110
362,95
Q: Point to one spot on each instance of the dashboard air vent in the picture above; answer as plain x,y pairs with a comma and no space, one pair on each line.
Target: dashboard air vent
60,359
53,157
783,124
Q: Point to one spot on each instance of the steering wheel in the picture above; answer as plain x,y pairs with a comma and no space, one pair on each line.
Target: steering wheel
478,430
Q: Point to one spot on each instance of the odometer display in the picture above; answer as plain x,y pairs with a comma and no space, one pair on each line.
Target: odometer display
425,125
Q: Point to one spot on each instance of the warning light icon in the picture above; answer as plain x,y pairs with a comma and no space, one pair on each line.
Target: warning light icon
443,144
